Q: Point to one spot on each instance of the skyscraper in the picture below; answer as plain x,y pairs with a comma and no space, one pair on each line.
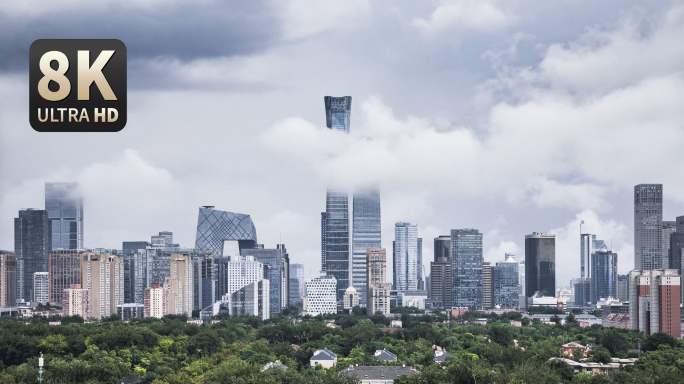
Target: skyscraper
648,227
214,227
41,286
64,206
337,239
604,278
276,270
419,266
466,268
297,283
8,279
32,242
440,271
405,256
669,227
378,288
505,283
179,284
64,267
676,253
540,264
335,253
487,285
365,234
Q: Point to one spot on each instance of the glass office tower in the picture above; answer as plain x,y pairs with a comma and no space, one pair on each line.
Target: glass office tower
214,227
64,206
466,268
505,283
405,257
648,227
365,235
604,276
335,255
540,264
32,241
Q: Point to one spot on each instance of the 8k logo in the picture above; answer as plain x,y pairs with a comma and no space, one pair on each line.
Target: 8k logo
77,85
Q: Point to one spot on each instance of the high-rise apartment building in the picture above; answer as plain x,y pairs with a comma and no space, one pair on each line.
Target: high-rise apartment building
487,286
505,283
156,301
669,227
604,277
41,286
32,243
276,270
76,301
405,257
648,227
250,300
654,302
540,264
440,271
419,266
103,276
297,283
64,206
179,284
320,296
20,279
365,234
8,279
64,267
466,268
378,289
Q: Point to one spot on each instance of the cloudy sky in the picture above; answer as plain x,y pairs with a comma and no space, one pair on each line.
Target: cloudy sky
505,116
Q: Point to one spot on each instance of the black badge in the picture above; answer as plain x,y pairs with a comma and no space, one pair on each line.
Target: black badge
77,85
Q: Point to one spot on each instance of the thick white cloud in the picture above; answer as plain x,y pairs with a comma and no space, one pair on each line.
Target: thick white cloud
465,15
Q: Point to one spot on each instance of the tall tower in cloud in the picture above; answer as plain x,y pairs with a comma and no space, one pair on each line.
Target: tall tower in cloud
64,206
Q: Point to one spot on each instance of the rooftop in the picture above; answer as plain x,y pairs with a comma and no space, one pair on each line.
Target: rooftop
379,372
324,354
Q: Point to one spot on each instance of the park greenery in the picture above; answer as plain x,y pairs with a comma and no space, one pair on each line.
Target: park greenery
234,350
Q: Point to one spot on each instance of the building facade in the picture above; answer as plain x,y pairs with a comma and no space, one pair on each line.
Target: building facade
214,227
337,239
179,284
32,243
76,302
276,270
64,206
297,283
378,289
156,301
320,297
623,288
466,268
366,234
8,279
604,279
41,287
654,302
669,227
505,283
250,300
648,227
540,264
102,276
64,267
406,257
487,286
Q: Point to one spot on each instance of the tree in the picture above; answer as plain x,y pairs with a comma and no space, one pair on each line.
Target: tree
601,355
661,338
570,319
556,319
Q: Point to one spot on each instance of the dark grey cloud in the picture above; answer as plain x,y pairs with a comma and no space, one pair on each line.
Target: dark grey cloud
183,31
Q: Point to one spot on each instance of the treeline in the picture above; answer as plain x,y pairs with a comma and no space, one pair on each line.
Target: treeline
171,351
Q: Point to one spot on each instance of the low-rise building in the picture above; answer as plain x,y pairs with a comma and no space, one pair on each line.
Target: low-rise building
440,356
570,348
596,368
274,364
385,355
378,375
325,357
617,320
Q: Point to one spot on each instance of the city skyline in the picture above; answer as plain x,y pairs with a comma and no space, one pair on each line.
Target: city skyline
490,133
